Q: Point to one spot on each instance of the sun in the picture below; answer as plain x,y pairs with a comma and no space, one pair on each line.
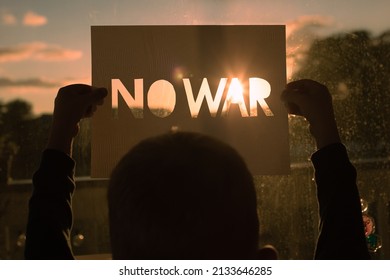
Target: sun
236,91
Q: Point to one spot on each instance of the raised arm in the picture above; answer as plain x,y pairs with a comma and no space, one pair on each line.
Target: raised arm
50,206
341,227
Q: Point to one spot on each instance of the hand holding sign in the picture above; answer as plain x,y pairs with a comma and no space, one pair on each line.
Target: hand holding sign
72,103
313,101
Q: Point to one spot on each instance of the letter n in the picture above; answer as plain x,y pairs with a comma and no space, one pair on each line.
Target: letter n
136,103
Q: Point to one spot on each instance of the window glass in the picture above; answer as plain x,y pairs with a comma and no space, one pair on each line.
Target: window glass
343,44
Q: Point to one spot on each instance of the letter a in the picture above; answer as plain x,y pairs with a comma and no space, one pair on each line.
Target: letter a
235,96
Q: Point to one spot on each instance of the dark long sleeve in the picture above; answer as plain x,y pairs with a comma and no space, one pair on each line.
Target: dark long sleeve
341,226
50,210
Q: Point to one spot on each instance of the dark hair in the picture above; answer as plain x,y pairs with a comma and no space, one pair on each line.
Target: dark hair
182,196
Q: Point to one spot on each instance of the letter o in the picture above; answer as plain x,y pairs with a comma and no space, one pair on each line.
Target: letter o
161,98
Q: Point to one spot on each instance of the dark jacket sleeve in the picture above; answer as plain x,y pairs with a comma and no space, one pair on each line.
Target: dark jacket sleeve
50,208
341,226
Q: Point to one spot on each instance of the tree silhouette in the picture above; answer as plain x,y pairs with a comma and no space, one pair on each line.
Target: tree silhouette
356,68
12,118
22,138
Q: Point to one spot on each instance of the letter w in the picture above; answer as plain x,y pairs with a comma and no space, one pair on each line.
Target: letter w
204,92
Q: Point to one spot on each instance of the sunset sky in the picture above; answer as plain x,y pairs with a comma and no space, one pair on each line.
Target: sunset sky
46,44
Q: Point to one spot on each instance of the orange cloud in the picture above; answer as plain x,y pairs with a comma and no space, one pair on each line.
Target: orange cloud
38,51
300,33
39,92
306,22
33,82
8,19
34,19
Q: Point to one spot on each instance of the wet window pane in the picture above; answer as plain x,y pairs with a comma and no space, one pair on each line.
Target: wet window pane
343,44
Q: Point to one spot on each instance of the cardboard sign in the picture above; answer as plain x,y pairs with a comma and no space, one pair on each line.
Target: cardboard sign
224,81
